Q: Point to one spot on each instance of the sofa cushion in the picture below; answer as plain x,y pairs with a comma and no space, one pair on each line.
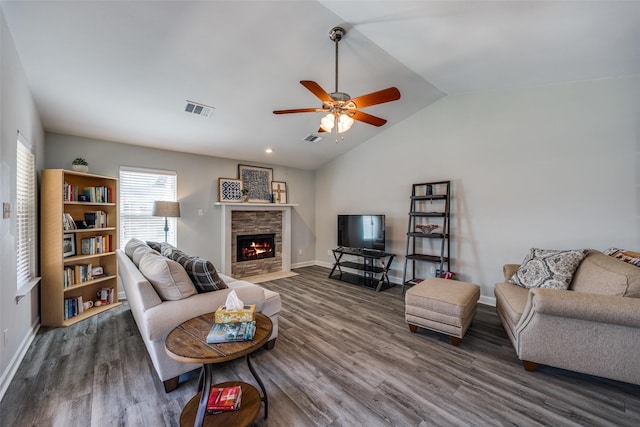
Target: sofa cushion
548,268
132,245
202,273
605,275
140,252
512,300
167,277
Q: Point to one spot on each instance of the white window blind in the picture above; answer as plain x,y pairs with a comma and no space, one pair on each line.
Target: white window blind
139,188
25,213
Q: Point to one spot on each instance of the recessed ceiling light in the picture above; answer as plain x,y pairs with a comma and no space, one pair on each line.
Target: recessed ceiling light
269,150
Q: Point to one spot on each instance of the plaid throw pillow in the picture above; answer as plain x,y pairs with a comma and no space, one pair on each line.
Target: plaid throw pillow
201,272
162,247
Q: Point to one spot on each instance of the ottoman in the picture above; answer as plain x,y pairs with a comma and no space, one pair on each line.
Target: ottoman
445,306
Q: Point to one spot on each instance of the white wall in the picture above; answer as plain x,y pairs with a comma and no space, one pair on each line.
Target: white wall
197,189
549,167
17,113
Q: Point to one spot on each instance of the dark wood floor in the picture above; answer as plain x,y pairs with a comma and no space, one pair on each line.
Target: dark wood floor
344,357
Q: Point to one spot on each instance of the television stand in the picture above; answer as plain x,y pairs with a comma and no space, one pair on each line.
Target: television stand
372,265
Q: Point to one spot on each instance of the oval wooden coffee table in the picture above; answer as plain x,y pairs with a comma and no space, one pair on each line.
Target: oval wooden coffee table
188,343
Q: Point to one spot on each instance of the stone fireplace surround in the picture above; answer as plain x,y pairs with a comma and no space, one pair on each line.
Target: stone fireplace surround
259,212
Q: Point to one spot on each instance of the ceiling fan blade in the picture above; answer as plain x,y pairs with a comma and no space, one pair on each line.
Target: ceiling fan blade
298,110
379,97
321,130
368,118
317,90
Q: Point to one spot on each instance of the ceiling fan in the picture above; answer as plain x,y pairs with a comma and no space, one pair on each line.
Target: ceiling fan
341,109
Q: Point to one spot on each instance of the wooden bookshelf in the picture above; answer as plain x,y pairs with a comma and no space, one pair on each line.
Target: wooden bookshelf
53,206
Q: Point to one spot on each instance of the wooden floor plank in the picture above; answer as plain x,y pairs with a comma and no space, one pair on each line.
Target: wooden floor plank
344,357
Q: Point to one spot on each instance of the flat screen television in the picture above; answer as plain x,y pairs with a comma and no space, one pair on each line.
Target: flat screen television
361,231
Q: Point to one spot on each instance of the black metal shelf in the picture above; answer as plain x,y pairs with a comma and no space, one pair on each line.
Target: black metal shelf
372,276
428,235
430,197
361,266
429,258
435,213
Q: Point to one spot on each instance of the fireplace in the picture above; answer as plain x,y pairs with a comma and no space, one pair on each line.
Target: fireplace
238,219
255,246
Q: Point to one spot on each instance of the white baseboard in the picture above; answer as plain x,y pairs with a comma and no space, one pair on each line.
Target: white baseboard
487,301
303,264
323,264
14,364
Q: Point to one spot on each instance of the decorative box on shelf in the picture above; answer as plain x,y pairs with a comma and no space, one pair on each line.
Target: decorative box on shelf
246,314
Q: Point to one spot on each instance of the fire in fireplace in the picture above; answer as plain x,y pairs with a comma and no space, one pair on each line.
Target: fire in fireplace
256,246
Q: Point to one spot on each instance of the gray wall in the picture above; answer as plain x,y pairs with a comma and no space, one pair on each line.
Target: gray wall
550,167
197,189
17,113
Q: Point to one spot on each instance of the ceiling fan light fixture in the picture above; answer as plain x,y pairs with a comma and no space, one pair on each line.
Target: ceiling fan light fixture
327,122
344,123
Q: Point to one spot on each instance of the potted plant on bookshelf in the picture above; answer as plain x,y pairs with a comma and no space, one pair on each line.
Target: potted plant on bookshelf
79,164
245,195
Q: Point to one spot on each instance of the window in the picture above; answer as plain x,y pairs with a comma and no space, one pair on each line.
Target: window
25,216
139,188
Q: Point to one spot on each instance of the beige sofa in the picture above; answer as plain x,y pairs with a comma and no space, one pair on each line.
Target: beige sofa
594,327
156,317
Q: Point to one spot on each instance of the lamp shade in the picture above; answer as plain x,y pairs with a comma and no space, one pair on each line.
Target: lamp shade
166,209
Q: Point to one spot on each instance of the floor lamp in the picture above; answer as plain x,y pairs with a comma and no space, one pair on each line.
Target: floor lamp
166,209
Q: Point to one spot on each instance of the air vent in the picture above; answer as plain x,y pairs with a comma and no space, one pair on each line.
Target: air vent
198,109
312,138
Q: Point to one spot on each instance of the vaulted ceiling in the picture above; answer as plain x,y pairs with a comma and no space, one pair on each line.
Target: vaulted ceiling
122,70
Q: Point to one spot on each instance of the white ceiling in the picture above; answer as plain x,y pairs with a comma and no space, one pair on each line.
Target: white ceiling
122,70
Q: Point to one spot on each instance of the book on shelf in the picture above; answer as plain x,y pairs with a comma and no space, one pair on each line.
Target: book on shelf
69,278
82,272
96,245
231,332
98,194
73,307
67,222
222,399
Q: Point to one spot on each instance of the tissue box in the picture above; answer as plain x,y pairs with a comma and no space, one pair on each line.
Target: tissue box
245,314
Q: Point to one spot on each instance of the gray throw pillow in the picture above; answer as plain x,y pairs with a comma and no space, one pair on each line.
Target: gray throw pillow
202,273
548,268
167,277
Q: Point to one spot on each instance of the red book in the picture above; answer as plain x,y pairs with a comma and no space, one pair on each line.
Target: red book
224,399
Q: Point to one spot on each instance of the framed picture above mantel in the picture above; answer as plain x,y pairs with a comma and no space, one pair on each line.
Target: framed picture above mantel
279,191
229,190
258,181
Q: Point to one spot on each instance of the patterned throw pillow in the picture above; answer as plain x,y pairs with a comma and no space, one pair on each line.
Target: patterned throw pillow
629,257
201,272
548,268
162,247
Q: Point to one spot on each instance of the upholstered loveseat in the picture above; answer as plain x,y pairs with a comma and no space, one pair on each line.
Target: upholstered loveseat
156,316
593,327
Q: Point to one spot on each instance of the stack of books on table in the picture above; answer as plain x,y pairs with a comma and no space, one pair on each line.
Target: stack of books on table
231,332
233,325
223,399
